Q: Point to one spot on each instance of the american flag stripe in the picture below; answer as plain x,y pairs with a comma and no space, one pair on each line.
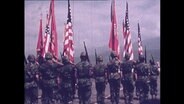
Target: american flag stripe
140,49
68,37
127,36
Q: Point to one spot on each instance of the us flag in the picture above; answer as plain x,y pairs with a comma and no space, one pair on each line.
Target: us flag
68,49
127,36
140,49
113,41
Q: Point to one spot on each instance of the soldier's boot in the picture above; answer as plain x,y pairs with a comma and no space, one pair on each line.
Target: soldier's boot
80,102
141,98
112,102
27,101
137,93
130,98
45,101
117,100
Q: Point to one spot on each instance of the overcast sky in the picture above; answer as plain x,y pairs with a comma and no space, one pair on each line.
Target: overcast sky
91,21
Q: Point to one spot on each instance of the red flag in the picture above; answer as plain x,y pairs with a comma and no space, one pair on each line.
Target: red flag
113,41
127,36
46,40
140,49
68,49
53,43
39,48
50,39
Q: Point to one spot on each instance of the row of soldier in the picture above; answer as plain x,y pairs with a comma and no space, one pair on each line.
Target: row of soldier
59,80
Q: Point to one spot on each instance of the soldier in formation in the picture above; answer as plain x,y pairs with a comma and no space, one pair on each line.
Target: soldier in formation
100,76
67,73
127,78
154,73
84,74
142,71
59,78
114,76
31,80
49,72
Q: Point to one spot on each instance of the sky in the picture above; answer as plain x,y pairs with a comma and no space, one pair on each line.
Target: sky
91,21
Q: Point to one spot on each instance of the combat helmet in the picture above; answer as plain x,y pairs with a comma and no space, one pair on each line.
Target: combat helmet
83,55
100,58
127,56
65,59
141,58
48,56
31,58
113,54
152,62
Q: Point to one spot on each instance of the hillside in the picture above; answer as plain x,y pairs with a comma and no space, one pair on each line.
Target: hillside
152,47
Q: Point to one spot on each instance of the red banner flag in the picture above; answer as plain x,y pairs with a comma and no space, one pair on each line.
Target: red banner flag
39,48
113,41
50,38
53,43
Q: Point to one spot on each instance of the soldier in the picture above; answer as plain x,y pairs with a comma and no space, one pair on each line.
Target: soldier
40,59
127,78
49,78
154,73
142,72
84,73
31,77
100,75
67,72
114,76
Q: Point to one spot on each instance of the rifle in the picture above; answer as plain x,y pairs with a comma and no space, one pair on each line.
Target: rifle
95,56
152,58
145,55
25,61
87,56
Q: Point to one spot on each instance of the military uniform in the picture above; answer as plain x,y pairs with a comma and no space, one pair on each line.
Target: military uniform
142,71
49,74
67,74
114,76
31,71
127,78
100,75
154,73
84,73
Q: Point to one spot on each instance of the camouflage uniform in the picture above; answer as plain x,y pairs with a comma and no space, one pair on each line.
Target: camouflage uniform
154,73
67,72
114,76
49,74
84,74
31,72
142,71
100,75
127,78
